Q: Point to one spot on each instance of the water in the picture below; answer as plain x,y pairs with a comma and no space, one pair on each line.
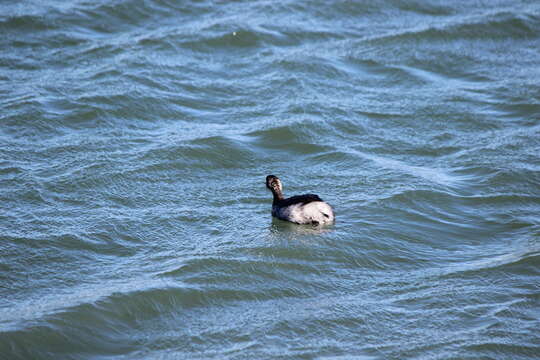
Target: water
136,136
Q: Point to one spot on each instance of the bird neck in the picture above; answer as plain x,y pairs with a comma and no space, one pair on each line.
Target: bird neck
278,195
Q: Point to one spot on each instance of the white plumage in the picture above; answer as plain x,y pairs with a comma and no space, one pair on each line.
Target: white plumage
317,212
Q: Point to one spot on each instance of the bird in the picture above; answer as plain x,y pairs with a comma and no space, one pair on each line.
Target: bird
299,209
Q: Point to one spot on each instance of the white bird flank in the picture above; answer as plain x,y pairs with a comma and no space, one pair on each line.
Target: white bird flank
317,212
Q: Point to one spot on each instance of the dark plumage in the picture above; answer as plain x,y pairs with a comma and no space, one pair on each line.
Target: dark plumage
297,199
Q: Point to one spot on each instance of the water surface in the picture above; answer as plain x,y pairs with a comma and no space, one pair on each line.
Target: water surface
135,138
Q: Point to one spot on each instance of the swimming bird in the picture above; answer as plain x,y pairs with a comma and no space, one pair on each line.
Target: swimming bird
300,209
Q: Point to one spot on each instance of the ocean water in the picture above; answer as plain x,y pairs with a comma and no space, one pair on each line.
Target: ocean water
136,135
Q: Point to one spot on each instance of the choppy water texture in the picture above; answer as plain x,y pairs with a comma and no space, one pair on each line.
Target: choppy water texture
135,140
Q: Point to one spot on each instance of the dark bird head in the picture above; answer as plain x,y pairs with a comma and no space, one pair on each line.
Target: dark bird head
274,184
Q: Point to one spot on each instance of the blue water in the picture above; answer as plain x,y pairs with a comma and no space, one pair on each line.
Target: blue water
136,135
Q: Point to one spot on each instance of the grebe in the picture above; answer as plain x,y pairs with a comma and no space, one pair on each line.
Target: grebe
300,209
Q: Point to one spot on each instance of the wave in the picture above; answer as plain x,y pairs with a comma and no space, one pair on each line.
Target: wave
187,286
492,25
436,175
524,261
